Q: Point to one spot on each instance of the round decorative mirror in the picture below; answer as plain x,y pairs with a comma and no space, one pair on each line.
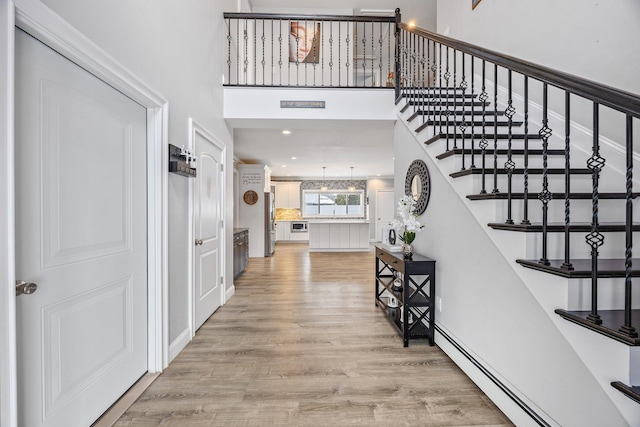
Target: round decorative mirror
417,184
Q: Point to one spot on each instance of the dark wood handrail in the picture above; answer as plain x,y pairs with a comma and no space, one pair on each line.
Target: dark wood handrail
302,17
625,102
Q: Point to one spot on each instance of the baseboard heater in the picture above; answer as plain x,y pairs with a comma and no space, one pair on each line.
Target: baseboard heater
537,418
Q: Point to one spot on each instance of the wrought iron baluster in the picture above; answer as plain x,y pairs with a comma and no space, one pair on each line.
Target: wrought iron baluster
440,103
426,93
398,64
434,99
495,129
525,195
545,196
463,122
280,57
380,47
315,53
595,239
339,55
509,165
473,111
322,29
229,49
246,53
484,96
455,100
238,53
373,51
447,114
272,54
627,328
567,182
263,62
331,53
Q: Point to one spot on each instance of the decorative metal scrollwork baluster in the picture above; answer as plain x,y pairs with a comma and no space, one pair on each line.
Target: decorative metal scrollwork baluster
463,123
545,196
434,99
455,100
627,328
509,165
595,239
567,183
473,111
263,38
447,113
525,178
483,97
495,129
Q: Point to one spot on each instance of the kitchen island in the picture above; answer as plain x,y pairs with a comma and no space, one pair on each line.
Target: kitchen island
338,235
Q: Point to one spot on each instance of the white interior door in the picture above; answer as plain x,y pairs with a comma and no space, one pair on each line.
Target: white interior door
208,202
385,211
81,235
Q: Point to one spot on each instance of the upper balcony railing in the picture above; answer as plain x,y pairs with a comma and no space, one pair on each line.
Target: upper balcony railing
272,50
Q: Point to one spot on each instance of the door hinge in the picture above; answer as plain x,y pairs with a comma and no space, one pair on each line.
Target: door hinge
222,223
222,280
221,167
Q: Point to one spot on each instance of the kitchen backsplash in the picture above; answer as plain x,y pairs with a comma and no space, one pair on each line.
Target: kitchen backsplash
283,214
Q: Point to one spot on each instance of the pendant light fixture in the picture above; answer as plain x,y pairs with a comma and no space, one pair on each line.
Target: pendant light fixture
324,179
351,186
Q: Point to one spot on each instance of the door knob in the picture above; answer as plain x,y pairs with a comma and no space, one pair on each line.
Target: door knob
23,287
198,242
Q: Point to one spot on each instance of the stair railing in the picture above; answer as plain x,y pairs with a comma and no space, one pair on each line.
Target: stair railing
448,119
275,50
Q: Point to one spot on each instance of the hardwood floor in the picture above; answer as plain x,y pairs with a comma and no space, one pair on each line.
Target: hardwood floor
301,343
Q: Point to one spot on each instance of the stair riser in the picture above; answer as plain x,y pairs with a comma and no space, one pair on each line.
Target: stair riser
613,247
613,211
610,295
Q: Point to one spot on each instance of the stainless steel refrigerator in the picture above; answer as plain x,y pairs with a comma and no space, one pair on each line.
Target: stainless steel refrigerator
270,222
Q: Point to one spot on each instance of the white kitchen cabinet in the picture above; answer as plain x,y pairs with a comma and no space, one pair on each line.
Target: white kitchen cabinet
283,230
338,236
288,195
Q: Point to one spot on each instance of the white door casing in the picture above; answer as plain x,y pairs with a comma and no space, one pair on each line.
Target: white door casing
81,235
208,208
384,211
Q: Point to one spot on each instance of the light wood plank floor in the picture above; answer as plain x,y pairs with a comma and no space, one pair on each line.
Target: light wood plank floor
302,344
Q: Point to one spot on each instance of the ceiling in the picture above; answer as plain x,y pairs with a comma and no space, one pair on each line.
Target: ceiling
365,146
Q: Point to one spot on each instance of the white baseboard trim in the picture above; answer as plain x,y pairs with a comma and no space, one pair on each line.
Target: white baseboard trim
501,393
179,344
229,293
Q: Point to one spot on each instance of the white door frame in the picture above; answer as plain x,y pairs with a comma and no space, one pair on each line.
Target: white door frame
41,22
196,129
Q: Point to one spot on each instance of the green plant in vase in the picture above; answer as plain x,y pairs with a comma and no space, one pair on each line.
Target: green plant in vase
408,225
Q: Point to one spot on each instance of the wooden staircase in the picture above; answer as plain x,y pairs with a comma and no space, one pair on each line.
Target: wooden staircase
452,132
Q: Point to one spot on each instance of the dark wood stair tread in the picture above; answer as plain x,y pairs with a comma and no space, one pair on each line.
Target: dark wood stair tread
632,392
477,136
554,196
607,267
499,152
476,123
611,322
518,171
476,112
558,227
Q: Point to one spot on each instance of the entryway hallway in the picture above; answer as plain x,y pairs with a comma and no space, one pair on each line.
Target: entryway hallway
301,343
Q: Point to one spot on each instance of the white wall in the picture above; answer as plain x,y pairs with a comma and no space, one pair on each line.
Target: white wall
591,39
175,47
489,310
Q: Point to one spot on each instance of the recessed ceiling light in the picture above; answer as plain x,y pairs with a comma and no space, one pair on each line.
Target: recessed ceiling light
378,174
284,166
294,158
286,132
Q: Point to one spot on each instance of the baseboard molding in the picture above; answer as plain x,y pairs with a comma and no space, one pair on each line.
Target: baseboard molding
229,293
510,403
179,344
113,414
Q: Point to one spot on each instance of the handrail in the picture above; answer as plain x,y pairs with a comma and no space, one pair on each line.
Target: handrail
617,99
297,16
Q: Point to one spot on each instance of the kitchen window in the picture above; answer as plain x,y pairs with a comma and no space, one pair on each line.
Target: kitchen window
333,203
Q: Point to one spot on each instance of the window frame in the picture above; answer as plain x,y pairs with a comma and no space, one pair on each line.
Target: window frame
346,193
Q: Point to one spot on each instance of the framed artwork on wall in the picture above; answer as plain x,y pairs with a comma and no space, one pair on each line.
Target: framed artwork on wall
474,3
304,42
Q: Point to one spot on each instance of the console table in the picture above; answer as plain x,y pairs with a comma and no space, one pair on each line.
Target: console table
412,282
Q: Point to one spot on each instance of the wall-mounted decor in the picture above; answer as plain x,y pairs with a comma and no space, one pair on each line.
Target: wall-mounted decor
417,184
474,3
250,197
304,42
182,161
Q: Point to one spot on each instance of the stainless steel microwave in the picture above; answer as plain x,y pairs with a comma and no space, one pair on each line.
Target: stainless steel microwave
299,226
